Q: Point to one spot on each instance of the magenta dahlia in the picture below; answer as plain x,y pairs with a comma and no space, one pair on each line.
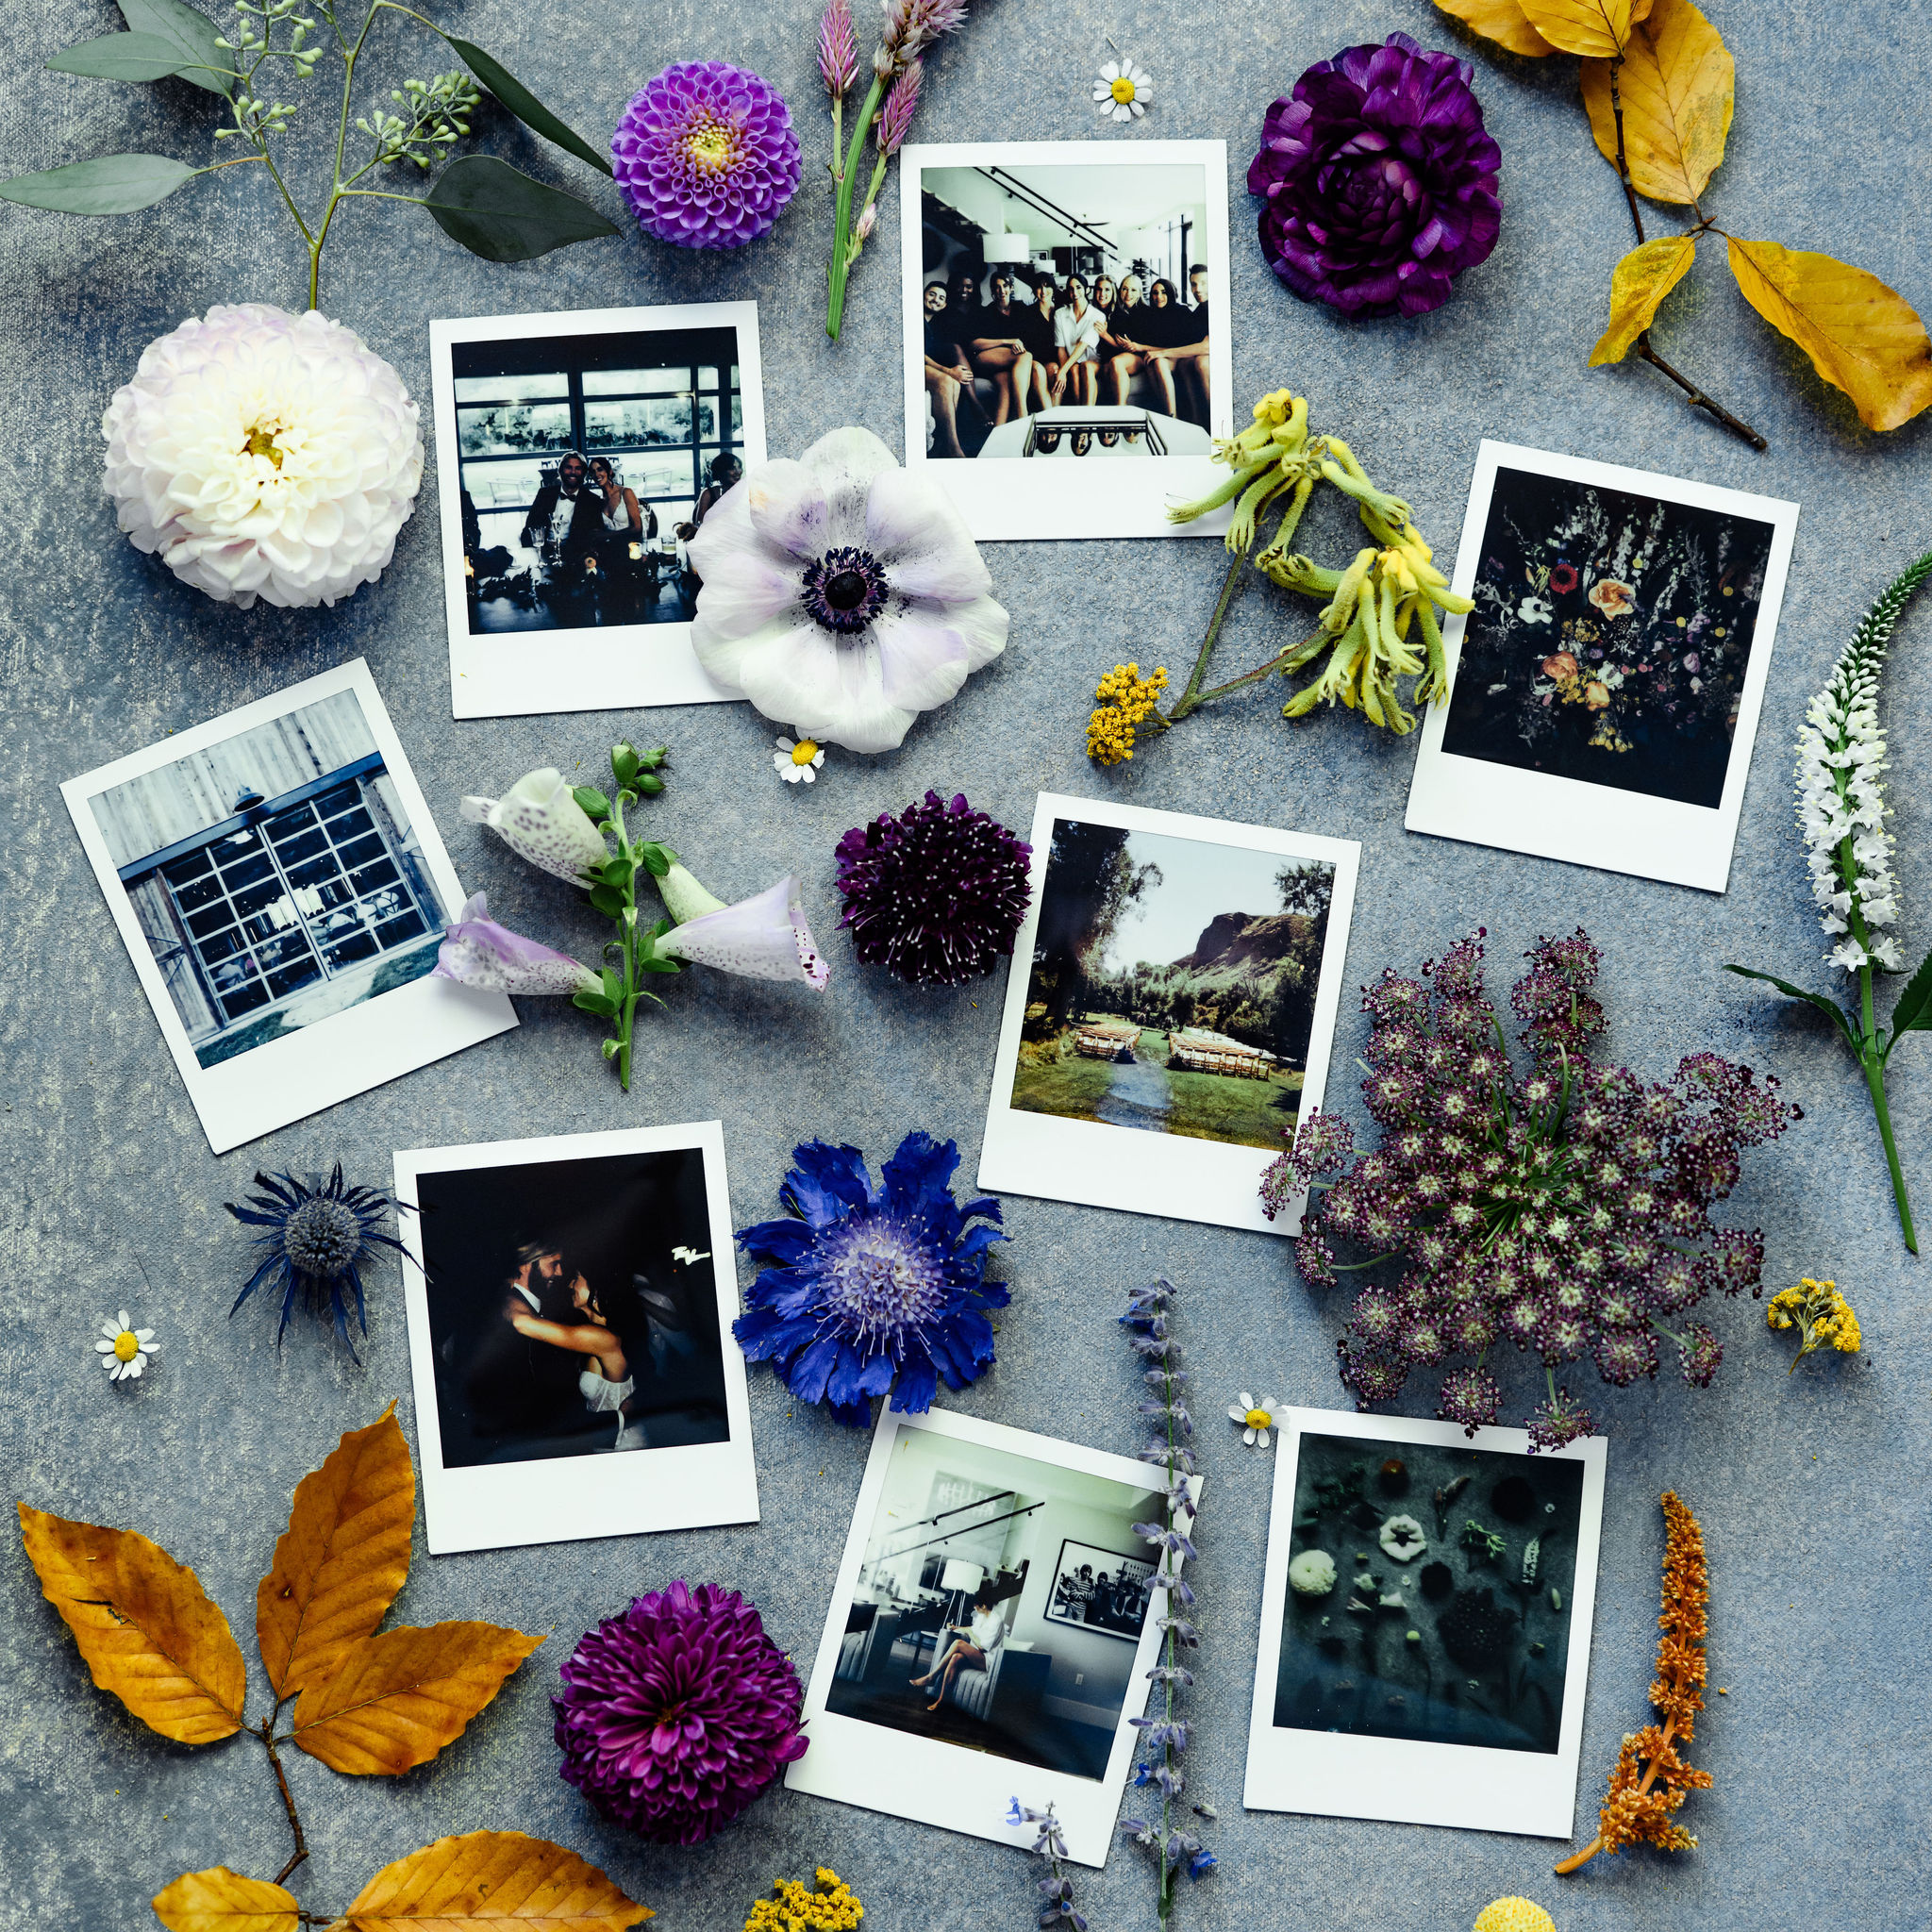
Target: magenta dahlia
675,1715
706,155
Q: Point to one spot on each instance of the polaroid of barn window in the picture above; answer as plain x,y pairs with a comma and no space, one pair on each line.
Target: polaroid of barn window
988,1634
569,1301
1066,355
281,889
1170,1012
1425,1621
577,456
1605,690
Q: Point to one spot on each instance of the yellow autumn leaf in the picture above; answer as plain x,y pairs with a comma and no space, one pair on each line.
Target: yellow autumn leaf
143,1624
1862,337
1594,28
1639,284
491,1878
1676,86
1500,21
394,1701
219,1900
342,1558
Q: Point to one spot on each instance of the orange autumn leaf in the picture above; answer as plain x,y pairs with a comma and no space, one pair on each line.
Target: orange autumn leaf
1639,284
1500,21
143,1624
1862,337
394,1701
1595,28
491,1878
342,1558
1677,85
219,1900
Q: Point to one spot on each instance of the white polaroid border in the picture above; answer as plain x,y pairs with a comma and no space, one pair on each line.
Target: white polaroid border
1570,818
1099,1165
503,1505
879,1769
1331,1775
602,668
1015,501
346,1054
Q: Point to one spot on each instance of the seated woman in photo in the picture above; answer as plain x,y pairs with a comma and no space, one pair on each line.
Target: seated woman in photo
1188,355
1076,339
998,350
972,1645
1133,327
1035,327
948,372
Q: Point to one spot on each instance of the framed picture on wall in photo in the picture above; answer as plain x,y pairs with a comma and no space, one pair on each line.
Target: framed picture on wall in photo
1100,1589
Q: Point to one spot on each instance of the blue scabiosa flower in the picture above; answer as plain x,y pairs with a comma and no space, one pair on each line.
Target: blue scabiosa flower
316,1240
868,1282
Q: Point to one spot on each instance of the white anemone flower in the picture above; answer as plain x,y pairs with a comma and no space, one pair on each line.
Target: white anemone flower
797,760
1257,1418
1123,91
124,1349
261,454
843,593
540,818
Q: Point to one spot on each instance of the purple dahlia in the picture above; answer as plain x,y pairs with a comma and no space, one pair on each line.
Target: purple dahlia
675,1715
937,893
706,155
1379,180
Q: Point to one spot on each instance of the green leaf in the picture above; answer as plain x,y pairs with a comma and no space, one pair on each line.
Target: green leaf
108,185
122,57
511,93
192,32
601,1004
657,859
613,987
498,212
608,900
1847,1025
1912,1013
619,872
592,802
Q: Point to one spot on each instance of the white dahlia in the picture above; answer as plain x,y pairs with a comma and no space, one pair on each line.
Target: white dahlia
261,454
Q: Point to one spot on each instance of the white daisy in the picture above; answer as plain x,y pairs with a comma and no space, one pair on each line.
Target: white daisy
798,759
124,1349
1123,91
1257,1418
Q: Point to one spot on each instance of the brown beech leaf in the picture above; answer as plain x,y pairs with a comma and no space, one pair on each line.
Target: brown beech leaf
1500,21
342,1558
143,1624
491,1878
1639,284
394,1701
219,1900
1676,88
1594,28
1862,337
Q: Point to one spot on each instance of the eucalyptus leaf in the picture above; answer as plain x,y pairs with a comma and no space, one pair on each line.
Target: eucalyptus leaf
122,57
500,213
192,32
512,94
108,185
1823,1002
1913,1013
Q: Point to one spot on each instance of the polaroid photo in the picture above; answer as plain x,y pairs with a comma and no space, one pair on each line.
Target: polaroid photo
1425,1618
989,1633
1606,689
569,1301
281,889
577,456
1062,374
1170,1010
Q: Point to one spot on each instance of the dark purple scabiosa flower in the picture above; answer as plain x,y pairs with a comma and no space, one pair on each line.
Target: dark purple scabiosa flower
675,1715
936,895
1379,180
317,1237
706,155
872,1282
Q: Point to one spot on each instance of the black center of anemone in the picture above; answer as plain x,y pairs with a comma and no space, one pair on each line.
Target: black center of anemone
844,589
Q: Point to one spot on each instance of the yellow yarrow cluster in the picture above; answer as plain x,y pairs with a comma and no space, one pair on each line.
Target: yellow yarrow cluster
828,1906
1126,700
1821,1315
1513,1915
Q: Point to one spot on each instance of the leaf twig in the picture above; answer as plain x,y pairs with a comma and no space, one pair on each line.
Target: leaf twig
265,1731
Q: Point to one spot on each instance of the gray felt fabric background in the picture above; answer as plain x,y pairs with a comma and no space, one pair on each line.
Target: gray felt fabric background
1812,1488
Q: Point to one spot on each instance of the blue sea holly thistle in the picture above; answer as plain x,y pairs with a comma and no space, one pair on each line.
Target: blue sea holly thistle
1842,812
1565,1210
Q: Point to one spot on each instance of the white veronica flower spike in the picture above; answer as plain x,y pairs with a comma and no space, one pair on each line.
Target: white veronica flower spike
539,820
124,1349
1257,1418
1123,91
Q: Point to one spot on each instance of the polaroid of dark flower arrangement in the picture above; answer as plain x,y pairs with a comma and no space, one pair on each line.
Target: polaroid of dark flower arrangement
569,1301
1426,1624
1067,363
988,1639
1170,1012
279,884
1605,687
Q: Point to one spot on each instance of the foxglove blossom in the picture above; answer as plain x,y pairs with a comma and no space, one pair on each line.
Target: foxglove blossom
539,820
843,594
476,951
763,938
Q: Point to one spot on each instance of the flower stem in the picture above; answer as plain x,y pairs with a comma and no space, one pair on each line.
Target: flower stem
628,937
1576,1861
1875,1079
841,234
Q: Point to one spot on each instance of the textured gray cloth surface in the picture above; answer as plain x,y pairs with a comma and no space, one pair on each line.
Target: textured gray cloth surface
1811,1488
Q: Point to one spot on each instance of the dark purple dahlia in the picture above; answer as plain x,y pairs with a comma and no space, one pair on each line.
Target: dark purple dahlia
675,1715
1379,178
706,155
937,893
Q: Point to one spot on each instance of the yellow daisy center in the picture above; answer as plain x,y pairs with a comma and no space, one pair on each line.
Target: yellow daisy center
804,751
126,1346
1123,90
710,144
261,443
1259,1419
